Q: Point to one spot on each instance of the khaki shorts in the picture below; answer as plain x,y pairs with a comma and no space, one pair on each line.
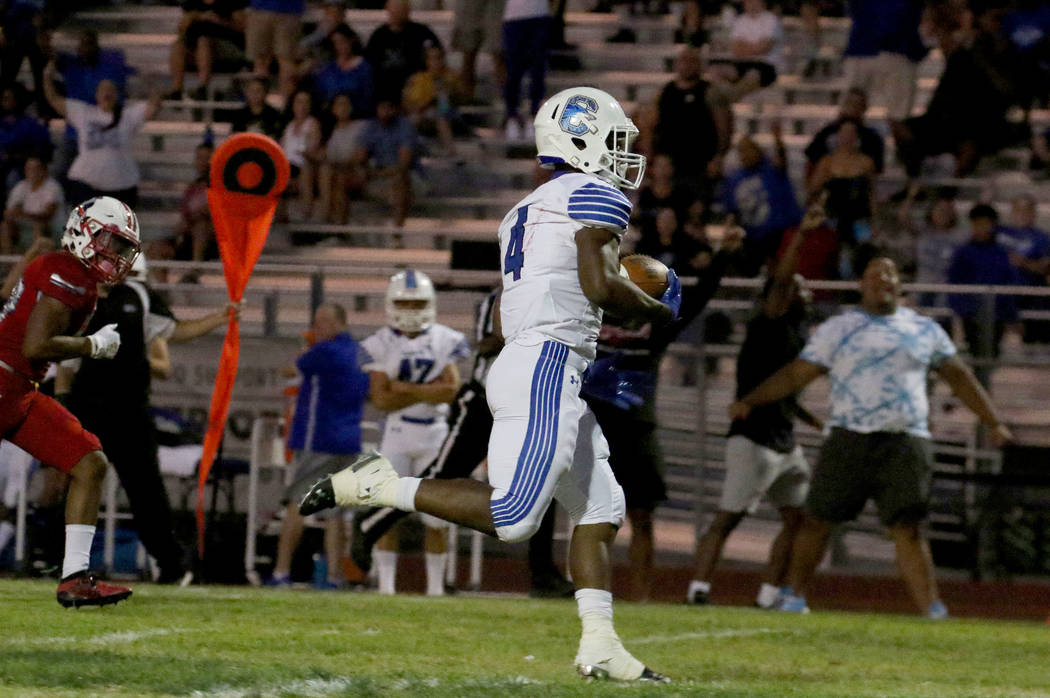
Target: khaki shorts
888,79
477,25
382,188
754,471
272,34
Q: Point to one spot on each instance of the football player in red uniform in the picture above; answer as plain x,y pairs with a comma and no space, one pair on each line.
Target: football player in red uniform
39,324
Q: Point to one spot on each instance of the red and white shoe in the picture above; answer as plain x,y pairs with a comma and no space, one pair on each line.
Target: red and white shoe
84,589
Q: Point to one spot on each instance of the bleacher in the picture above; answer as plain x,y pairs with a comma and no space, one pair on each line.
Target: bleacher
471,193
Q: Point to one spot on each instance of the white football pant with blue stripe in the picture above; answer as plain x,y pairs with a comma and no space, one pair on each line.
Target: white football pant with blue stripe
545,443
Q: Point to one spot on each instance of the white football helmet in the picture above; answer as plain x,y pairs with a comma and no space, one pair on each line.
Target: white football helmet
586,128
103,233
411,304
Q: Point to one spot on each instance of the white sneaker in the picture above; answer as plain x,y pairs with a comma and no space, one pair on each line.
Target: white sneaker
368,481
602,656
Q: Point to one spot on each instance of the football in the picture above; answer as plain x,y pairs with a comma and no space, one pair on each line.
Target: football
647,273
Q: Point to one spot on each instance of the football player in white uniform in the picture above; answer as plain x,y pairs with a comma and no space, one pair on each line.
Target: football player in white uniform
412,364
560,253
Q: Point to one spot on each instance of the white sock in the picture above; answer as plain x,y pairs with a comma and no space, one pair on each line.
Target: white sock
344,485
78,548
7,532
595,609
697,587
767,595
405,495
386,570
435,573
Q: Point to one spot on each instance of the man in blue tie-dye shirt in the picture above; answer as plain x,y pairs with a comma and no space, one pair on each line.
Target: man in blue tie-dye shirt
877,357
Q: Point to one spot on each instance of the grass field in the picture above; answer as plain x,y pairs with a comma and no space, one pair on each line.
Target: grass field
234,641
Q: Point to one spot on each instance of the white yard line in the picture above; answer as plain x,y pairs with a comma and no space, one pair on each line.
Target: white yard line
301,687
711,635
105,640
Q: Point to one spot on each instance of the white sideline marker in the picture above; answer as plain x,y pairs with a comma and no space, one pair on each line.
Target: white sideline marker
711,635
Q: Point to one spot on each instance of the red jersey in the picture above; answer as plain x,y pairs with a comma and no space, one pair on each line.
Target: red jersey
59,275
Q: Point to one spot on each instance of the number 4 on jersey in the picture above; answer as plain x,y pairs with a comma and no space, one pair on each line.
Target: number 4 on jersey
515,257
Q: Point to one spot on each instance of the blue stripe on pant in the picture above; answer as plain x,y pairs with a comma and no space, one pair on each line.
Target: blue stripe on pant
541,438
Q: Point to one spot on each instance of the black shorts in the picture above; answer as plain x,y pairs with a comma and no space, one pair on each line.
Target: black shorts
634,455
894,469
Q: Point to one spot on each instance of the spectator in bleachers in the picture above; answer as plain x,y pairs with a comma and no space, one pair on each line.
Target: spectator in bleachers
663,239
822,257
526,43
757,44
1029,249
847,178
301,142
982,260
759,197
272,31
966,115
397,49
854,106
256,116
20,24
691,30
106,130
31,206
659,191
936,239
347,73
194,238
208,29
313,45
694,122
1027,26
388,149
20,136
338,176
477,25
83,71
432,96
883,53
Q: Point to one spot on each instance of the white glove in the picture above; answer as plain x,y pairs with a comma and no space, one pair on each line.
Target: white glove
105,342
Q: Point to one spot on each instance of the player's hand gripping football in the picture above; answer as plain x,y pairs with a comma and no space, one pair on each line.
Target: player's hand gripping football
105,343
672,297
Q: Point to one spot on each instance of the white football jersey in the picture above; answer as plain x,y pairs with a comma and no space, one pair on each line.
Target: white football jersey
418,359
542,298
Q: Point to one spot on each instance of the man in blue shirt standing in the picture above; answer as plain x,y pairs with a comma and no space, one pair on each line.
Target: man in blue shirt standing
877,358
325,433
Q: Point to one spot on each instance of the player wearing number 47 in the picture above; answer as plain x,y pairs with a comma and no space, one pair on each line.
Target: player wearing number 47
412,366
559,249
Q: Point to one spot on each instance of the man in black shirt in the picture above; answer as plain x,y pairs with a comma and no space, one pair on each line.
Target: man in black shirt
762,457
694,122
620,388
854,107
111,399
397,50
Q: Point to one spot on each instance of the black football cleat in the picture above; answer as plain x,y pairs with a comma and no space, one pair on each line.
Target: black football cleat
319,497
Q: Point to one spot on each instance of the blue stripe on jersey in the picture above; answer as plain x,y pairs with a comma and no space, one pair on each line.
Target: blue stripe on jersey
594,188
410,278
599,199
541,438
608,209
592,216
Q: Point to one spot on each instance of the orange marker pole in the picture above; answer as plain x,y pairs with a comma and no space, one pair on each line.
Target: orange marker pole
248,173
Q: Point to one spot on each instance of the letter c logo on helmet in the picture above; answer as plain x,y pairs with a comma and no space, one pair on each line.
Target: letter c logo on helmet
577,112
